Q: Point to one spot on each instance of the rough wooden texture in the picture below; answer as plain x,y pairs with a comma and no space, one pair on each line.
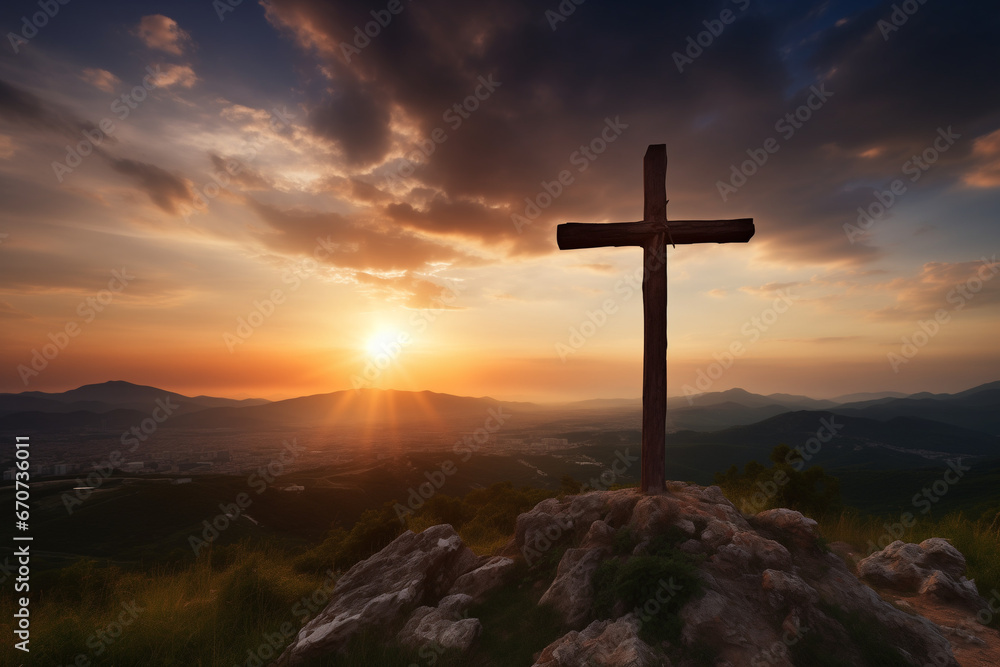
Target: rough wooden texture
654,305
578,235
653,234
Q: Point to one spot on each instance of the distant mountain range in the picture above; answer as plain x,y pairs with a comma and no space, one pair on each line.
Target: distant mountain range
109,396
118,404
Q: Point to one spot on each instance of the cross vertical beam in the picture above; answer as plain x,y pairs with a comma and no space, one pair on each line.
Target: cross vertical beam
652,235
654,302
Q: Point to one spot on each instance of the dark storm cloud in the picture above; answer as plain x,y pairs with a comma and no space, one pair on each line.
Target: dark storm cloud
897,83
386,262
168,191
471,221
612,60
349,244
357,119
23,107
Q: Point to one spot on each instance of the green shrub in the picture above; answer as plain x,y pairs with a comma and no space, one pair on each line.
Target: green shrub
655,587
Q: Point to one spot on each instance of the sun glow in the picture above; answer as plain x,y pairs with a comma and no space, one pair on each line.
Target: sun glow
383,342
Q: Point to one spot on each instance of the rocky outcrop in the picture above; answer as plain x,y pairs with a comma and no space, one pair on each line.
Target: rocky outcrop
444,625
484,578
766,581
602,644
410,572
762,584
934,567
572,591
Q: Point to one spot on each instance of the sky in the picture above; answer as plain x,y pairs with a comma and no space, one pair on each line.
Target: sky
293,197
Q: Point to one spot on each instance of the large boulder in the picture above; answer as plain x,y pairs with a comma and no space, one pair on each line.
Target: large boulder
572,590
413,570
444,626
766,583
480,581
934,567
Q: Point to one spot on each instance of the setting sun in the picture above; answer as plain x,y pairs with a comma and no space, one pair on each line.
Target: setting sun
383,341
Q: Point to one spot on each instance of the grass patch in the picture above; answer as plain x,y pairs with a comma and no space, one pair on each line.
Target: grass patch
866,634
197,615
515,628
655,586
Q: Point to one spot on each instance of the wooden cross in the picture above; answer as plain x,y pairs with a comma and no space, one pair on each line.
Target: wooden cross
652,234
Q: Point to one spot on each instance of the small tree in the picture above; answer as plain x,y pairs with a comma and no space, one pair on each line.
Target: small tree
783,484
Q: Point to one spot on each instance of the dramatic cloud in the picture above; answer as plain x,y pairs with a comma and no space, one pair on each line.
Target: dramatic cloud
175,75
101,79
168,191
351,244
23,107
162,33
986,173
943,285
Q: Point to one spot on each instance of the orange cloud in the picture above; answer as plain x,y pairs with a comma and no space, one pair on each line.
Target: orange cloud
162,33
986,174
101,79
